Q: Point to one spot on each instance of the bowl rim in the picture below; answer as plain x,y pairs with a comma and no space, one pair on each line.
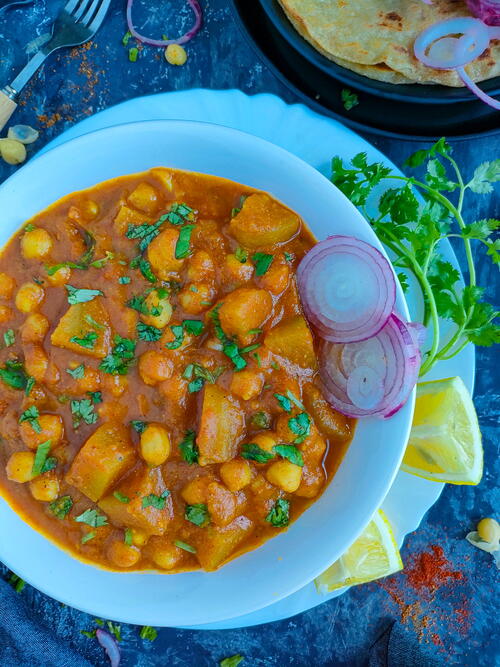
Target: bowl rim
222,136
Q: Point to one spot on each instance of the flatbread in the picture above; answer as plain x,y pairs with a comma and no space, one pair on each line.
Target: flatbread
376,37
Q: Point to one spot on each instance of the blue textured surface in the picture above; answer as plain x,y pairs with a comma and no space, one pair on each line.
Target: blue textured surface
457,621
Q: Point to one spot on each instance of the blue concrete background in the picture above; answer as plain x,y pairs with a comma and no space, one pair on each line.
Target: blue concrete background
457,621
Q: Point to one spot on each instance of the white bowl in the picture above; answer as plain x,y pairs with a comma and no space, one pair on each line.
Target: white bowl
292,559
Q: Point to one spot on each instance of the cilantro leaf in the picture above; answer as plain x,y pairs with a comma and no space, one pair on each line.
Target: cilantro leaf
197,514
349,99
279,516
262,262
301,426
9,337
61,507
148,332
92,518
189,450
121,497
144,267
81,295
481,229
14,375
179,214
291,453
83,410
88,341
261,420
436,177
232,661
147,632
241,255
144,233
441,147
121,357
158,502
77,372
182,247
185,546
139,426
40,457
31,415
284,402
253,452
484,175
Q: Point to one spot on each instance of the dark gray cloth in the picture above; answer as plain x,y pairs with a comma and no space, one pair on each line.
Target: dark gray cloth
25,641
399,647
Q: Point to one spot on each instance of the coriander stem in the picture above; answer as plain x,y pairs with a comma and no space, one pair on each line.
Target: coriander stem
455,352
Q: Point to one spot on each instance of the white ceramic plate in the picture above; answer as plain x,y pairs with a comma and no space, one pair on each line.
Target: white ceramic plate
288,562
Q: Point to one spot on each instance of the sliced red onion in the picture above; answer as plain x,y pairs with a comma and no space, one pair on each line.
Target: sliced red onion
195,6
474,88
487,10
381,384
347,288
427,48
418,332
110,645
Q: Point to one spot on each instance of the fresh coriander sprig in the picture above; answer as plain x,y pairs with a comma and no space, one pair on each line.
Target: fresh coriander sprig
412,230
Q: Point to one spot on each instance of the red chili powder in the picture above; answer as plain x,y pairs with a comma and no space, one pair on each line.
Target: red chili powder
430,570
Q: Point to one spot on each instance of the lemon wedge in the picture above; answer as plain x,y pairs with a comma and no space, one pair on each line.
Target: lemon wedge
373,555
445,440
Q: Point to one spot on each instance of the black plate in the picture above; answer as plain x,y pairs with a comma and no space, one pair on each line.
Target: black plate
421,94
322,92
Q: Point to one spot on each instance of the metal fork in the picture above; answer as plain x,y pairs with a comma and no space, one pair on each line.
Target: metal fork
77,22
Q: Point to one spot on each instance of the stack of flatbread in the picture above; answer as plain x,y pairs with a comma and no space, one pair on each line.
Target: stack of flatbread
376,37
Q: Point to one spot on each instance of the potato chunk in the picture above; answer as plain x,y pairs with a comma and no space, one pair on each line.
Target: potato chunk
221,426
245,309
127,216
77,323
336,426
217,543
145,198
105,457
139,484
264,222
161,254
293,340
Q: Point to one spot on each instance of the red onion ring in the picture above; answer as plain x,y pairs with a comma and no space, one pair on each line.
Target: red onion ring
350,394
110,645
477,34
474,88
347,288
195,6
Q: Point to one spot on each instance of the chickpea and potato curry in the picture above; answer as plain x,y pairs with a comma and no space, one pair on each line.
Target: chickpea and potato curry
159,401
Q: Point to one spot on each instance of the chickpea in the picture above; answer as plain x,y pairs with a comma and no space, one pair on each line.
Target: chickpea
89,209
235,271
174,389
60,277
266,441
29,296
35,328
139,537
44,488
5,314
275,280
145,198
196,298
200,267
154,367
36,244
91,380
7,285
160,310
195,491
247,384
489,530
52,375
13,152
35,361
175,54
155,445
115,384
167,556
19,467
123,555
236,474
284,474
51,429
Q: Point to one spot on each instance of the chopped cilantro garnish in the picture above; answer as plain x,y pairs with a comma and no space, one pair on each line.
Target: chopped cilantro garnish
197,514
201,375
349,99
77,372
127,538
279,516
138,426
253,452
194,327
144,267
40,457
88,536
144,233
50,464
14,375
61,507
179,214
232,661
229,347
121,357
182,247
289,257
254,332
126,37
249,348
262,262
115,630
99,263
301,426
88,341
138,303
257,358
158,502
196,385
9,337
147,632
241,255
284,402
291,453
30,227
81,295
124,280
30,383
261,420
31,415
83,410
294,400
188,448
92,518
148,332
185,546
121,497
17,583
95,396
133,54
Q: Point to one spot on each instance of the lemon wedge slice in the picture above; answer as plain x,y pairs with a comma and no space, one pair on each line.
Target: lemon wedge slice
373,555
445,440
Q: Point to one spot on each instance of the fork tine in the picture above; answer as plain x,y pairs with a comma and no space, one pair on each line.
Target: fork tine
99,17
70,6
81,9
91,10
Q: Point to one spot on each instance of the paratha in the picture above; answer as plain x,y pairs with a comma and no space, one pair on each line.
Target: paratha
376,37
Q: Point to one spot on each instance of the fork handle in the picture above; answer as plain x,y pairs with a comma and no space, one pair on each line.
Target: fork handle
7,107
